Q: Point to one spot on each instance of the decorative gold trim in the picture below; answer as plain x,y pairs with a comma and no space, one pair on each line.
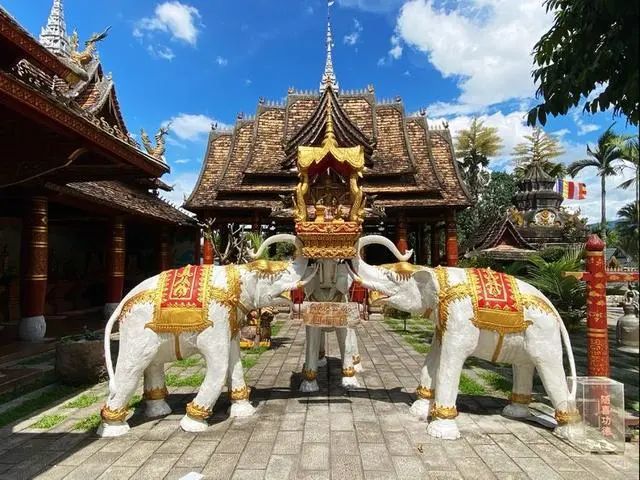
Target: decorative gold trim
521,398
158,393
444,413
356,359
425,393
348,372
113,416
309,375
241,393
197,412
564,417
532,301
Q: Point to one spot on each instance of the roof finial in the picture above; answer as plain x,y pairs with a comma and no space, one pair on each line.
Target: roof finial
54,35
329,77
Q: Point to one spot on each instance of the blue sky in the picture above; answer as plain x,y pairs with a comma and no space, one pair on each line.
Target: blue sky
197,61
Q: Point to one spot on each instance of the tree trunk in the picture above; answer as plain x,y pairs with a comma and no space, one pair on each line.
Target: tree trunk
603,209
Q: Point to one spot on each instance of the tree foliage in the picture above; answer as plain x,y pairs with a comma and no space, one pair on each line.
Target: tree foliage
475,146
590,51
493,201
538,150
628,230
606,157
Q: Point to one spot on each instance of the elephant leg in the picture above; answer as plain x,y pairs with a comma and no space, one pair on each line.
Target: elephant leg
310,371
426,390
351,347
521,391
155,391
213,344
238,389
133,359
455,349
551,370
349,380
322,352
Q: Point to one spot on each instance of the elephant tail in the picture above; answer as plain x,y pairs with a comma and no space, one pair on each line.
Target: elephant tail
572,363
107,346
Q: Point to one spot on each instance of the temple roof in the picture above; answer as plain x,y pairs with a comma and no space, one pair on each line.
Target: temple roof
500,239
409,164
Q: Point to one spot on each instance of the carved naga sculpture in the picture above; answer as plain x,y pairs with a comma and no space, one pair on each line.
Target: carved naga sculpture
84,57
157,150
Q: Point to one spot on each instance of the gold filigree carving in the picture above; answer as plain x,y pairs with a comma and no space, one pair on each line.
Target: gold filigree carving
113,416
532,301
158,393
197,412
521,398
404,270
238,394
425,393
444,413
348,372
267,267
564,417
309,375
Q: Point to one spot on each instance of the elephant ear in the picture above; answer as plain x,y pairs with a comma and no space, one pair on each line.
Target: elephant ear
424,278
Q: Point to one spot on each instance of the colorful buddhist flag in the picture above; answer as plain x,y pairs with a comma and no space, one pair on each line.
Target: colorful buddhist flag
571,190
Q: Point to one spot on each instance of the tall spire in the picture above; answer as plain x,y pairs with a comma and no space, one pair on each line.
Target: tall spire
329,77
54,35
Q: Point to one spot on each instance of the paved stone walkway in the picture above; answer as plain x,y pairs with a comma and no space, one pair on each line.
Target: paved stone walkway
332,435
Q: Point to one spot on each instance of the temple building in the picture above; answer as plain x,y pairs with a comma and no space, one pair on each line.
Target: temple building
535,221
411,183
81,219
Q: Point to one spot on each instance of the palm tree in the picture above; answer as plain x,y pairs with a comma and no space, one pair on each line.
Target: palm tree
630,156
628,228
605,158
539,150
474,146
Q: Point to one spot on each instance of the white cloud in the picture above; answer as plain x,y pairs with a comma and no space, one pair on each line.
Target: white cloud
173,17
191,127
248,82
378,6
221,61
354,36
561,133
182,161
161,51
484,44
396,48
382,61
182,184
583,127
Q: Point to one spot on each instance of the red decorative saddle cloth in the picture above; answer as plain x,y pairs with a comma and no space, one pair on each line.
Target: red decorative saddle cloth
182,303
497,300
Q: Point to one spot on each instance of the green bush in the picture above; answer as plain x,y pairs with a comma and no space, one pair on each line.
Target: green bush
566,293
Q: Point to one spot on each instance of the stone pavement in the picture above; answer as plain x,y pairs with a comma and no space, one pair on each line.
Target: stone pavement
365,434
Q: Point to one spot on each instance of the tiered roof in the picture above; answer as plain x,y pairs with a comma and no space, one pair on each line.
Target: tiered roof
409,164
43,79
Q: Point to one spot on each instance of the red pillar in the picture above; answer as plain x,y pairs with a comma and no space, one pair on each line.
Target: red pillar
597,329
452,240
164,250
401,234
435,245
35,242
115,263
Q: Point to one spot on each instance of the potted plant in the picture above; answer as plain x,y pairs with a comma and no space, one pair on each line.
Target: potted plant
80,358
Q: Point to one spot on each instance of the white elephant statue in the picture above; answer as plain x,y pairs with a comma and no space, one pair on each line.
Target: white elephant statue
481,313
180,312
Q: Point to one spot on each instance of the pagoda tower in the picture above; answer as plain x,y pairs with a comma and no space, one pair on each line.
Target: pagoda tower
53,36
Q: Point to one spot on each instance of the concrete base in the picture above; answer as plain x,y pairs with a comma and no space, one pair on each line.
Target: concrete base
376,317
32,329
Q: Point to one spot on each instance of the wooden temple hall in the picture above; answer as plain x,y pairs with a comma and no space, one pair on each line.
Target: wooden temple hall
81,220
411,182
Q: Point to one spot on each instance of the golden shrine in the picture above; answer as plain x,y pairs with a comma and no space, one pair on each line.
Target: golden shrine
329,191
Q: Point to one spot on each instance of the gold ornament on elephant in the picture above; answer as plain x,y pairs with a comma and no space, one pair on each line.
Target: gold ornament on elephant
309,375
348,372
564,417
158,393
444,413
238,394
109,415
425,393
520,398
197,412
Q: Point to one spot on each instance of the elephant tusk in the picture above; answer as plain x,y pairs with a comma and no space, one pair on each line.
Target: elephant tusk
309,277
380,240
